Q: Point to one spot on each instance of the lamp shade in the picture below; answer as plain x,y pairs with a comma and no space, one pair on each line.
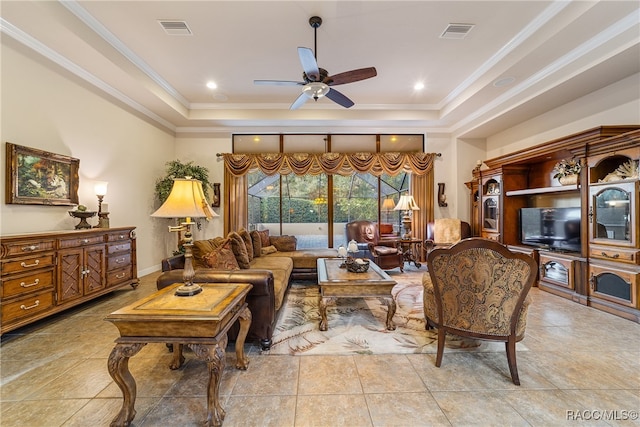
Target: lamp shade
406,203
388,204
186,200
100,188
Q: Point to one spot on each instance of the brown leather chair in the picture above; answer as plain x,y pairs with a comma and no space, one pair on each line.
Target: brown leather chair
384,252
433,239
478,288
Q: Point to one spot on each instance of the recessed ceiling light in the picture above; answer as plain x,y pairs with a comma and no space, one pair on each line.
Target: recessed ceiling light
418,86
504,81
212,85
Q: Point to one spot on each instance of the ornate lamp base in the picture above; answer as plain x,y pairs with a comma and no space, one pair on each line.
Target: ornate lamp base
188,290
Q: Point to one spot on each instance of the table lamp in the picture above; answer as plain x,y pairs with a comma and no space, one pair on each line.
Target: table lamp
388,205
100,188
406,204
186,200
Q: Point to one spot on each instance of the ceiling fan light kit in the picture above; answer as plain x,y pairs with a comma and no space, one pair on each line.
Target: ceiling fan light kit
317,81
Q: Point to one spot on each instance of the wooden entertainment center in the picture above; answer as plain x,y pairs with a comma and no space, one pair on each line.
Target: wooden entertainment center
45,273
605,272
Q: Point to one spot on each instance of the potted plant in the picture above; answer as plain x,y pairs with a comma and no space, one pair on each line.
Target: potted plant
567,171
177,169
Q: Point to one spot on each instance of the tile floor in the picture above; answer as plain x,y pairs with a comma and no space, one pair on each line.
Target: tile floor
575,363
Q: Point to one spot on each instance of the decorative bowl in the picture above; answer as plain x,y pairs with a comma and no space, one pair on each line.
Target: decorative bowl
357,265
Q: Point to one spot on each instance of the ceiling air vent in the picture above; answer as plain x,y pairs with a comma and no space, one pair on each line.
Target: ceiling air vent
176,28
456,31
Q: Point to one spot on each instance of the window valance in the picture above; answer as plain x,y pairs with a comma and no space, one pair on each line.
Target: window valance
416,163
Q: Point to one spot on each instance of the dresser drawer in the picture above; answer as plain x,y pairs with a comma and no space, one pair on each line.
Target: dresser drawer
26,307
610,253
119,236
80,241
119,276
114,248
26,247
118,261
22,265
29,283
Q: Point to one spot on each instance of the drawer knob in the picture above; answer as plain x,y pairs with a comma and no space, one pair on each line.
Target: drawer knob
30,248
24,307
28,285
606,255
25,265
85,240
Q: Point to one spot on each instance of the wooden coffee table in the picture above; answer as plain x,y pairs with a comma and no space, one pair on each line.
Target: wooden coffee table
201,322
336,282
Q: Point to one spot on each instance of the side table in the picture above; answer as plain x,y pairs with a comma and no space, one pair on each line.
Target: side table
201,322
411,250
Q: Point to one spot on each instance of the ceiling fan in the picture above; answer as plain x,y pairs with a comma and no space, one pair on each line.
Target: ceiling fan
317,81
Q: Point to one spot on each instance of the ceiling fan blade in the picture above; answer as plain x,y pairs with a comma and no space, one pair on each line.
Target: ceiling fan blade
309,64
278,83
299,102
353,76
339,98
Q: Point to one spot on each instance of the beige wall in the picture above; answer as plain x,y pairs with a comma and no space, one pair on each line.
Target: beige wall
45,109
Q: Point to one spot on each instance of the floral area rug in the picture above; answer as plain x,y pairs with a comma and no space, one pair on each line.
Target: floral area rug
357,325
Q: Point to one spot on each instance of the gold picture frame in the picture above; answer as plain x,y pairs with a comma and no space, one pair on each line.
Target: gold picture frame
38,177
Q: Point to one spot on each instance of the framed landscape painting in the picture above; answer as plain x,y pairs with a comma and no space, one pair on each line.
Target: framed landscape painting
37,177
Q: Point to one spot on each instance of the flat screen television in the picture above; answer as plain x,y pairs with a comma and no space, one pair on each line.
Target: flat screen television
552,228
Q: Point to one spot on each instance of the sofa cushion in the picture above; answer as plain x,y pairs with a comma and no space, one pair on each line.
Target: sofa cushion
264,237
221,258
306,258
239,250
284,243
268,250
256,242
281,267
248,243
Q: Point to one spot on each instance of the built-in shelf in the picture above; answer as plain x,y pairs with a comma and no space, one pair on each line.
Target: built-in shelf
543,190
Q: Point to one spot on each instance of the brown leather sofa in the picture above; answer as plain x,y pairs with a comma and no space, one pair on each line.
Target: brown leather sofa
270,276
384,252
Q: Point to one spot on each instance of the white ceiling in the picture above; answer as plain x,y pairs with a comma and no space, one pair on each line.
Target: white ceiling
557,51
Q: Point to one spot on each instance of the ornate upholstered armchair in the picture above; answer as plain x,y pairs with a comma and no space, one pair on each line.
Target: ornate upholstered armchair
478,288
444,232
384,252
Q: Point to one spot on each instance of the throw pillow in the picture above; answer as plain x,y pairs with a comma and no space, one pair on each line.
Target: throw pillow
284,243
221,258
248,243
239,249
201,248
268,250
256,242
264,237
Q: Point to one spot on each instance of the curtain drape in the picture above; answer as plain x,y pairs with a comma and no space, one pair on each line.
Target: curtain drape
329,163
419,165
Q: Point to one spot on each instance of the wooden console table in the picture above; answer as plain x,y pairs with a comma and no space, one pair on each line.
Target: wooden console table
201,322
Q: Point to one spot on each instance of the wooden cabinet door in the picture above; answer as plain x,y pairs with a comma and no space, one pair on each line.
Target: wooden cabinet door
94,269
70,274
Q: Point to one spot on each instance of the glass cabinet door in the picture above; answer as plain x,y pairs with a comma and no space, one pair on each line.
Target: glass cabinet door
490,213
611,213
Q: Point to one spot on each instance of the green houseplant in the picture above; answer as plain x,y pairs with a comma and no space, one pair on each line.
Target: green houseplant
178,169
